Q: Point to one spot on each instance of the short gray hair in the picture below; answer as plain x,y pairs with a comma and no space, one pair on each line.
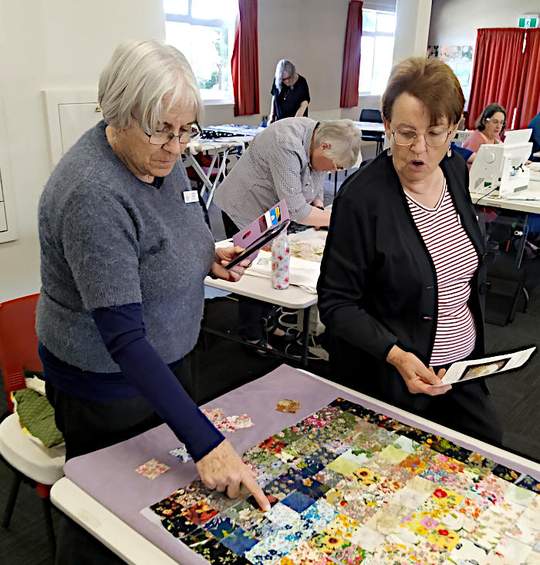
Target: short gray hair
284,66
137,78
344,139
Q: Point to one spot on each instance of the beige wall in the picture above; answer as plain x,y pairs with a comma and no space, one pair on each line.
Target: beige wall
308,32
454,22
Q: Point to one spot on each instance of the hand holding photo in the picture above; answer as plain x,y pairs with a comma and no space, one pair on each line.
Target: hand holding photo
477,368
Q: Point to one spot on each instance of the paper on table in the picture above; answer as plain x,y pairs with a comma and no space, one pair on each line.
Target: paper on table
494,364
302,273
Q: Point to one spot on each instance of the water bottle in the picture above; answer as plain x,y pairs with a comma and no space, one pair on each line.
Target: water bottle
281,256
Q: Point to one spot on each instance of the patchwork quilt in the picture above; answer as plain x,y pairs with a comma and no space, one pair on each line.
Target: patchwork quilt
348,485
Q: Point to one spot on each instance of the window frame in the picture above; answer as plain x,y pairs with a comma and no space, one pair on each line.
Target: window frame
213,23
373,34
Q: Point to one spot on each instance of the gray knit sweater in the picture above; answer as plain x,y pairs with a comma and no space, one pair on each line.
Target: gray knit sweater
108,239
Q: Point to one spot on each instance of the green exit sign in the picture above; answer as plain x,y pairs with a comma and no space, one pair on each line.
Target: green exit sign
528,20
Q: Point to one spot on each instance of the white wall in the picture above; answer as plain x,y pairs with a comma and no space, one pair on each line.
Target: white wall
454,22
47,43
412,29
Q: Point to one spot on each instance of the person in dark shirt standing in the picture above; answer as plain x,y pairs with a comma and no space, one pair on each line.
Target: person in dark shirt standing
290,93
403,276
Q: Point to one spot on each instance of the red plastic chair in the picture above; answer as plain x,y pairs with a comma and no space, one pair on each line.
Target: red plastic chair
18,353
18,342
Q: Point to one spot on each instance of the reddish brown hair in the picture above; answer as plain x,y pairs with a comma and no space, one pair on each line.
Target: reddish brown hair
432,82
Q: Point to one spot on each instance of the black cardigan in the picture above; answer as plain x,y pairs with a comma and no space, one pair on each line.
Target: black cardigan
378,284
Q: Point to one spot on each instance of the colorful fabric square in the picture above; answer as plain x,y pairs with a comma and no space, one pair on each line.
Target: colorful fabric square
152,469
227,423
348,485
178,526
304,554
208,547
199,513
298,501
238,541
181,453
220,526
288,406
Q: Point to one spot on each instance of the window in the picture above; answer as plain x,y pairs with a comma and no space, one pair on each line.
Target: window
204,31
377,46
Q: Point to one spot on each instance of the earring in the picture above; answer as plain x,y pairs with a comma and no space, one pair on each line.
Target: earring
389,151
449,152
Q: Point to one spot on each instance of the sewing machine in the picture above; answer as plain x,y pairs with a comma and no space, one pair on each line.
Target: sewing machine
501,167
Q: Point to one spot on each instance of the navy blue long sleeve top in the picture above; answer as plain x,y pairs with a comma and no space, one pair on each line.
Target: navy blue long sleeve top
143,372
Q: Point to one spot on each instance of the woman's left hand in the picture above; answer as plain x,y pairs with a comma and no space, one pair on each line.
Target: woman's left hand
224,255
318,203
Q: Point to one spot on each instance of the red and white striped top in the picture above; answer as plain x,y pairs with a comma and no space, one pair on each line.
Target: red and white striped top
455,261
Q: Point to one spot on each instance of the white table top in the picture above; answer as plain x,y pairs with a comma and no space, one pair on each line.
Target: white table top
528,206
134,548
370,126
198,145
105,526
246,131
261,289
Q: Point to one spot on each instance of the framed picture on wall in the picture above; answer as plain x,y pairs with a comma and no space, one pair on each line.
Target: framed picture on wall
459,58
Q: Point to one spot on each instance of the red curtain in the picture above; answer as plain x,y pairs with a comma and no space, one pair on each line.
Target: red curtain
245,60
530,90
497,71
350,70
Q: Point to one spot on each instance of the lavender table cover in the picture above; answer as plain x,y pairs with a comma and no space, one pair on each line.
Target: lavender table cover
109,476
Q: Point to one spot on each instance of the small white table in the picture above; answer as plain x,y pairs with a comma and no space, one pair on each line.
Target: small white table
376,127
261,289
526,206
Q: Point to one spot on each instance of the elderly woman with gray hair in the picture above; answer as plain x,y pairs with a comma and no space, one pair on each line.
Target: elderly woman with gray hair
287,161
290,93
124,252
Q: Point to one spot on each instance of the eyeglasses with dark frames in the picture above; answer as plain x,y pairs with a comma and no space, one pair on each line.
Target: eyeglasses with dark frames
187,133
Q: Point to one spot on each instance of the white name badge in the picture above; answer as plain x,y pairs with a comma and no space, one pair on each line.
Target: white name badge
190,196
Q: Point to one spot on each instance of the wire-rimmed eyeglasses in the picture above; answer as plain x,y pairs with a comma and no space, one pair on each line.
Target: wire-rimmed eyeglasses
409,137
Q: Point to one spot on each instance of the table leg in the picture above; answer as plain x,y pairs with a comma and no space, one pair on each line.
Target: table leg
523,241
192,162
305,337
221,173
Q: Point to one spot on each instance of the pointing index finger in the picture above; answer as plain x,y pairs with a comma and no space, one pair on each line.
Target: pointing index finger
253,486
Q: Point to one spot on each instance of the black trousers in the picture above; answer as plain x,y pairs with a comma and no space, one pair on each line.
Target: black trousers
88,426
251,312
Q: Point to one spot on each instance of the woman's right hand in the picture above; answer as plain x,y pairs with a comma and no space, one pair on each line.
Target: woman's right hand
223,470
418,378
